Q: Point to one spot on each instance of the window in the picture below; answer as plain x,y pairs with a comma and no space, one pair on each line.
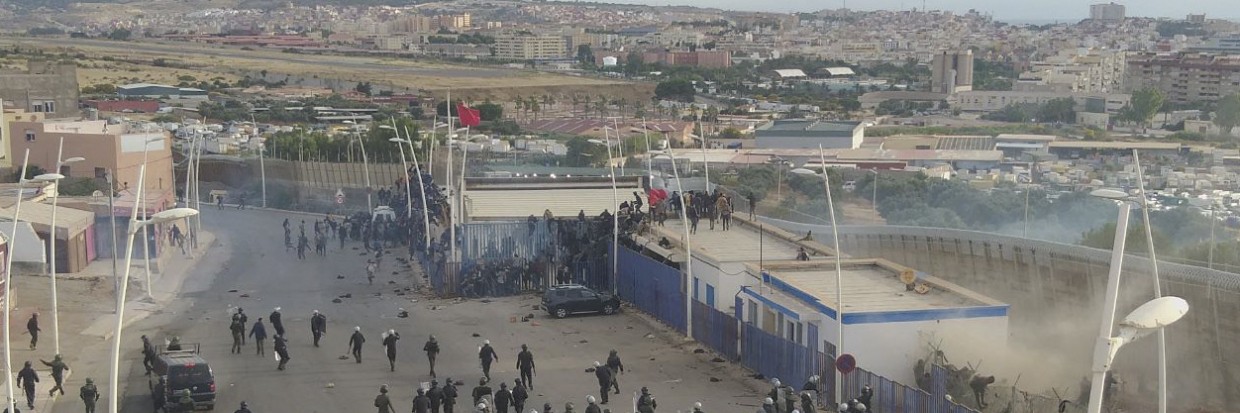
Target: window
753,312
696,281
710,295
101,173
29,135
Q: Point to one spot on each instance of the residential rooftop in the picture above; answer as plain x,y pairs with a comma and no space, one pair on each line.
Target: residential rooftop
869,285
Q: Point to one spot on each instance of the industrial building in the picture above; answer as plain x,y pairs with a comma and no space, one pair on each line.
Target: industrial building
150,90
810,134
952,72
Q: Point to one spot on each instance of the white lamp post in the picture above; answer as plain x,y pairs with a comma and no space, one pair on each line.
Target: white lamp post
146,234
684,223
55,178
1149,240
839,271
134,225
615,217
8,291
404,165
1153,316
1106,346
426,217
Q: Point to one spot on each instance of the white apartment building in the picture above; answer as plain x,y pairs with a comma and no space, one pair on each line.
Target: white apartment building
1076,70
1106,12
520,46
993,100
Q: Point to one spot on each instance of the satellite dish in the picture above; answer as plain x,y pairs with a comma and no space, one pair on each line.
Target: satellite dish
908,277
1157,313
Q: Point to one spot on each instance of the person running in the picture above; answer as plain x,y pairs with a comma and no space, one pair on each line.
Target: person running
58,374
355,343
389,342
432,352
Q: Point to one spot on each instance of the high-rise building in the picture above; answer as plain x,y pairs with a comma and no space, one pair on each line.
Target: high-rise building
523,46
1075,70
1106,12
952,72
456,21
1186,77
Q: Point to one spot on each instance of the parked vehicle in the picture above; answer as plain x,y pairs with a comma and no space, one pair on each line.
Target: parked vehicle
562,300
185,369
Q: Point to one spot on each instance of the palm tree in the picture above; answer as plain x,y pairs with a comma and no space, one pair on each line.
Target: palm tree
576,101
532,104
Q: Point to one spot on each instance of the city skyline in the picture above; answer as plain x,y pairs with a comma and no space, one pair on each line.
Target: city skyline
1044,11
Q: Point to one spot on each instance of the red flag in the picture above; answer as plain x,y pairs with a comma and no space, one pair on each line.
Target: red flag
468,116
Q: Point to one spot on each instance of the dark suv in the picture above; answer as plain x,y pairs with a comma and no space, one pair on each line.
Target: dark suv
185,369
562,300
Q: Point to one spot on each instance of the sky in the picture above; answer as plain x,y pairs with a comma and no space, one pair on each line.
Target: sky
1003,10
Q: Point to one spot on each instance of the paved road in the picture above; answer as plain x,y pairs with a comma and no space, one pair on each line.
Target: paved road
252,260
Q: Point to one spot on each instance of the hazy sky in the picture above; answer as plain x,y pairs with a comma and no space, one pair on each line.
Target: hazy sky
1065,10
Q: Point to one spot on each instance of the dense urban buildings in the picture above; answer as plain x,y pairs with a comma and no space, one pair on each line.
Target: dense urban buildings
1186,78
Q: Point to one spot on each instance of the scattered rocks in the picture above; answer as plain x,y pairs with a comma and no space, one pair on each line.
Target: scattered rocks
232,290
714,380
485,301
584,341
337,300
477,335
718,360
330,385
698,351
402,314
346,295
649,335
392,281
339,277
245,296
343,357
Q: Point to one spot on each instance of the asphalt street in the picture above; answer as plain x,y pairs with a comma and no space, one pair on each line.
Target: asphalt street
250,268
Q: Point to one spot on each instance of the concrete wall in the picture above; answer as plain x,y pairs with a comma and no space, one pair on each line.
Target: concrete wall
890,349
1054,291
43,82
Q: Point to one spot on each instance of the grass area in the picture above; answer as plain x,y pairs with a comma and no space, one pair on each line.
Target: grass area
208,61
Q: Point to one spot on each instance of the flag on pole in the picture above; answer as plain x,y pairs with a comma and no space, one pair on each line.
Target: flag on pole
468,116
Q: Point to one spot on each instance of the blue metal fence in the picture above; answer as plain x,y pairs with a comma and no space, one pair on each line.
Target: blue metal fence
892,397
652,287
776,357
716,330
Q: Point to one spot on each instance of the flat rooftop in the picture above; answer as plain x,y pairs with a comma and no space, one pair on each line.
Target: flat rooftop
870,286
741,243
809,125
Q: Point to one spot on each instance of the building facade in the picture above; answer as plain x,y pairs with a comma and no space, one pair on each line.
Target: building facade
45,87
519,46
1106,12
106,148
1186,77
809,134
1076,70
952,72
994,100
700,58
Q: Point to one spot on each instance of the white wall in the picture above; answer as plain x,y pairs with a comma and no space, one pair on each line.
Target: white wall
727,281
892,349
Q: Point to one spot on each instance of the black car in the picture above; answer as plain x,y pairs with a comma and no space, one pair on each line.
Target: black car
185,369
562,300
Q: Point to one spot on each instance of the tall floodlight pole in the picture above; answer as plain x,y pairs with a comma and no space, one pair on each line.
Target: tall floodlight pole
684,223
146,234
839,275
615,217
426,217
404,165
1102,346
615,124
705,162
262,166
55,177
370,208
1149,242
649,156
116,279
8,290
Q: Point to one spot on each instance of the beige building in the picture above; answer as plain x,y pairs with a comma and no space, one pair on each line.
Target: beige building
456,21
1076,70
1106,12
994,100
1186,77
6,135
44,87
519,46
106,148
952,72
414,24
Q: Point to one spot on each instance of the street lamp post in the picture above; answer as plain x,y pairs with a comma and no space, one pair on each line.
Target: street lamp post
404,165
134,226
370,208
839,270
1103,346
1153,316
146,234
8,290
1149,241
426,217
684,223
615,216
649,156
55,177
874,199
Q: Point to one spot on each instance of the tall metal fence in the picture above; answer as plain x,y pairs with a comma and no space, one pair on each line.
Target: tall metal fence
652,287
716,330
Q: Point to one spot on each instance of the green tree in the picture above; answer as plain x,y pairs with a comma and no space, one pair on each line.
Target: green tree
1144,105
490,111
1227,115
120,34
584,54
582,152
364,88
679,90
1061,110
